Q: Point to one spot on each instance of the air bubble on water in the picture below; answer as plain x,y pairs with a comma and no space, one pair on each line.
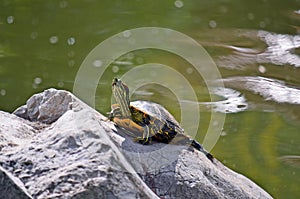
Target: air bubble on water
97,63
223,133
33,35
178,4
262,69
250,16
212,24
71,41
71,53
37,80
10,19
2,92
71,63
262,24
115,69
60,84
53,39
63,4
127,33
189,70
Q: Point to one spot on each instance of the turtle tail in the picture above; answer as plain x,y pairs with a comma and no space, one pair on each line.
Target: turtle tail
199,147
183,139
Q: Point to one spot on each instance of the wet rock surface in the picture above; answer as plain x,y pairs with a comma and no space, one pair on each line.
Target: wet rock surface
58,147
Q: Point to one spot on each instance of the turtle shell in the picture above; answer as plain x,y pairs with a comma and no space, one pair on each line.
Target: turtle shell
156,111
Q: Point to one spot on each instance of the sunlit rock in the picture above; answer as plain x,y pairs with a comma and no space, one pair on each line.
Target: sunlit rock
72,151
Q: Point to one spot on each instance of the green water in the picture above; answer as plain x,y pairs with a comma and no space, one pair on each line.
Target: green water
43,43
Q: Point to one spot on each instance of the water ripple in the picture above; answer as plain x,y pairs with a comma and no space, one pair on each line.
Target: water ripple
233,101
264,47
280,49
269,89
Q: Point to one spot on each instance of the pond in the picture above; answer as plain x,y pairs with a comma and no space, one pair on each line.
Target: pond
254,44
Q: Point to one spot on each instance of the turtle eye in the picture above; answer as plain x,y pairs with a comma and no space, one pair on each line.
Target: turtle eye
115,81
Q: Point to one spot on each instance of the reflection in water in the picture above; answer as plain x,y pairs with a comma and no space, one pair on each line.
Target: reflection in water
280,49
234,101
269,89
293,160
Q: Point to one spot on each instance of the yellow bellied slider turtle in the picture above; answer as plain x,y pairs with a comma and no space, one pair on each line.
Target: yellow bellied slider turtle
147,120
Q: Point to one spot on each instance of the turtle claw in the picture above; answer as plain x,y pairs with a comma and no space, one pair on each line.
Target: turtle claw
142,140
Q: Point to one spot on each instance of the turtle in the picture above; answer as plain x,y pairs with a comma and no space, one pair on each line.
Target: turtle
147,121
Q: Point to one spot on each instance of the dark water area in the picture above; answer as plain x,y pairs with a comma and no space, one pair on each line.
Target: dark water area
255,45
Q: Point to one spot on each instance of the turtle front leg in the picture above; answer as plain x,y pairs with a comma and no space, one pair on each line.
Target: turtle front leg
145,139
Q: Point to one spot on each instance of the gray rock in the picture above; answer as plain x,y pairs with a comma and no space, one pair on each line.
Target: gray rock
15,131
11,187
49,103
72,151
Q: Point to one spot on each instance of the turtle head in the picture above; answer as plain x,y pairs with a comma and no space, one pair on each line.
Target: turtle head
121,94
